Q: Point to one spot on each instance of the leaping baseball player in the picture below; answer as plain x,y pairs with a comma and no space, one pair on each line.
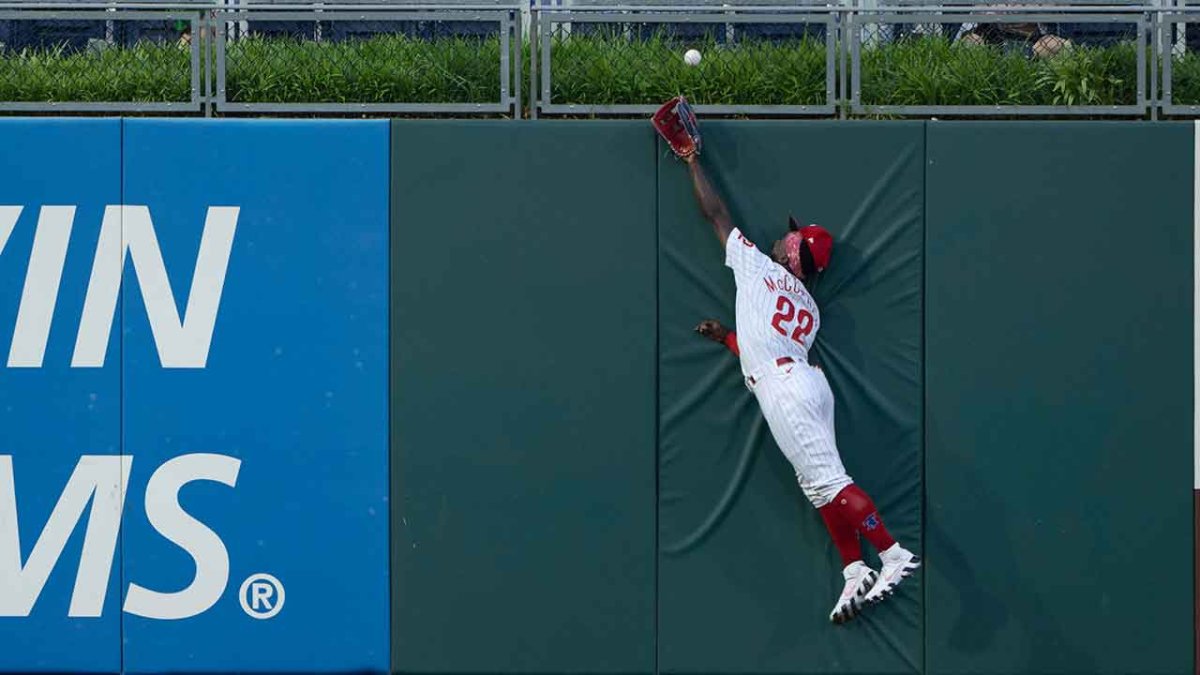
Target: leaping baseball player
778,321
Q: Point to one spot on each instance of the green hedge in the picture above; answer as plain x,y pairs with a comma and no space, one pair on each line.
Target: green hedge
384,69
602,70
588,69
146,73
935,72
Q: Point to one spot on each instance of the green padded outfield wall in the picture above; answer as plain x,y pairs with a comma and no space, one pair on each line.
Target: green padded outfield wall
524,412
747,575
1059,398
581,484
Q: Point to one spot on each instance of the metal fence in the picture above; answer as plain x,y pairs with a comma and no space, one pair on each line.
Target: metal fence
100,60
745,54
827,58
413,59
1177,44
1003,61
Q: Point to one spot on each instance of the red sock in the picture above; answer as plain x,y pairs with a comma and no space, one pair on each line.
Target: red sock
842,532
858,509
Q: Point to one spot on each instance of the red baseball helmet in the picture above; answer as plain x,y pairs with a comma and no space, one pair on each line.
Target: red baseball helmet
816,239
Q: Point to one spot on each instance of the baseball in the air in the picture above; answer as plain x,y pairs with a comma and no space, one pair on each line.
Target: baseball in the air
692,57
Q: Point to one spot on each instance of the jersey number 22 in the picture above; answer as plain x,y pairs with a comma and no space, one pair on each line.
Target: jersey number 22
787,312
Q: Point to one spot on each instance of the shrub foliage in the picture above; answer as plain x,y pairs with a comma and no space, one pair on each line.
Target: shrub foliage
588,68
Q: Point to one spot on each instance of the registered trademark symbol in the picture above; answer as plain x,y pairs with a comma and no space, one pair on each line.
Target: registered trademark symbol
261,596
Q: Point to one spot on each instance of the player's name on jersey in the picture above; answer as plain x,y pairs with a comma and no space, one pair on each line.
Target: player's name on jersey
785,283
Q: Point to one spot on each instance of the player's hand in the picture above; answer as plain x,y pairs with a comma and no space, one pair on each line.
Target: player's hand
713,330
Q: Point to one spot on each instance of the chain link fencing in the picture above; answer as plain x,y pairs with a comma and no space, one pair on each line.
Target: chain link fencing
1178,39
794,58
1005,61
98,60
600,61
410,60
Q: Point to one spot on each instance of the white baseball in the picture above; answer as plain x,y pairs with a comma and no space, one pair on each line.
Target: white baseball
692,57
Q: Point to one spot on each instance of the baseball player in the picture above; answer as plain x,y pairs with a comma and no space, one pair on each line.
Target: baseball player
778,321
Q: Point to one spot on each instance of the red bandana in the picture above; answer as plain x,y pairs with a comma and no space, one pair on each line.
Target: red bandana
791,247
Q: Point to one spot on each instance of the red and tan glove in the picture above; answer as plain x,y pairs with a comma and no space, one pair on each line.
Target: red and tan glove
675,121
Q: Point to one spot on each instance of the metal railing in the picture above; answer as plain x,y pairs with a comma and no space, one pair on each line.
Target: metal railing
1124,87
1177,47
382,67
827,58
260,56
647,44
83,78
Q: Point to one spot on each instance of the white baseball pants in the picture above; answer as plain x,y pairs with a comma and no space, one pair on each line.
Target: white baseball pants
798,404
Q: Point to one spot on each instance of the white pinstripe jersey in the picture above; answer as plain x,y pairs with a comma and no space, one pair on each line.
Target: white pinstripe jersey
776,316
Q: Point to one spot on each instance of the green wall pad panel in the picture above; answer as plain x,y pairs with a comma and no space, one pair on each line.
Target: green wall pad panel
523,356
1059,398
747,575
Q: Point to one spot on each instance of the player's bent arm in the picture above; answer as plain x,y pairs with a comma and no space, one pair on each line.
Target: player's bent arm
711,204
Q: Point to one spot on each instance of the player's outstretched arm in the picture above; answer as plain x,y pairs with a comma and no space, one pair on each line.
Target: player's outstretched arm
711,204
715,331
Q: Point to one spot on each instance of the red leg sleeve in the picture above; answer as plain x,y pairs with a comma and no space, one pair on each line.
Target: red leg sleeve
858,509
842,531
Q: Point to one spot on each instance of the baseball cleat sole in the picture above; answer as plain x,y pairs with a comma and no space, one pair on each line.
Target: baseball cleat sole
852,608
887,588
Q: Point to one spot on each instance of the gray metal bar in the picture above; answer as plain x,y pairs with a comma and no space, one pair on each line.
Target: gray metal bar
831,36
534,47
546,44
904,3
197,37
420,15
641,109
96,106
517,60
1048,17
843,36
1156,38
366,107
9,15
201,39
991,9
855,62
1161,66
646,17
381,11
505,47
177,5
992,110
717,5
220,81
84,5
1142,99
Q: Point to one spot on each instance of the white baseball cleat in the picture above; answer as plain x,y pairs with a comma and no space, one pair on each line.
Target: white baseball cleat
859,580
898,564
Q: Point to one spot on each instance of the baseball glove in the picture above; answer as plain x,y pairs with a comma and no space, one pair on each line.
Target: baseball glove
675,121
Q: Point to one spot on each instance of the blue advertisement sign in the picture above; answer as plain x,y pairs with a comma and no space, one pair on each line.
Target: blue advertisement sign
60,464
194,456
255,416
